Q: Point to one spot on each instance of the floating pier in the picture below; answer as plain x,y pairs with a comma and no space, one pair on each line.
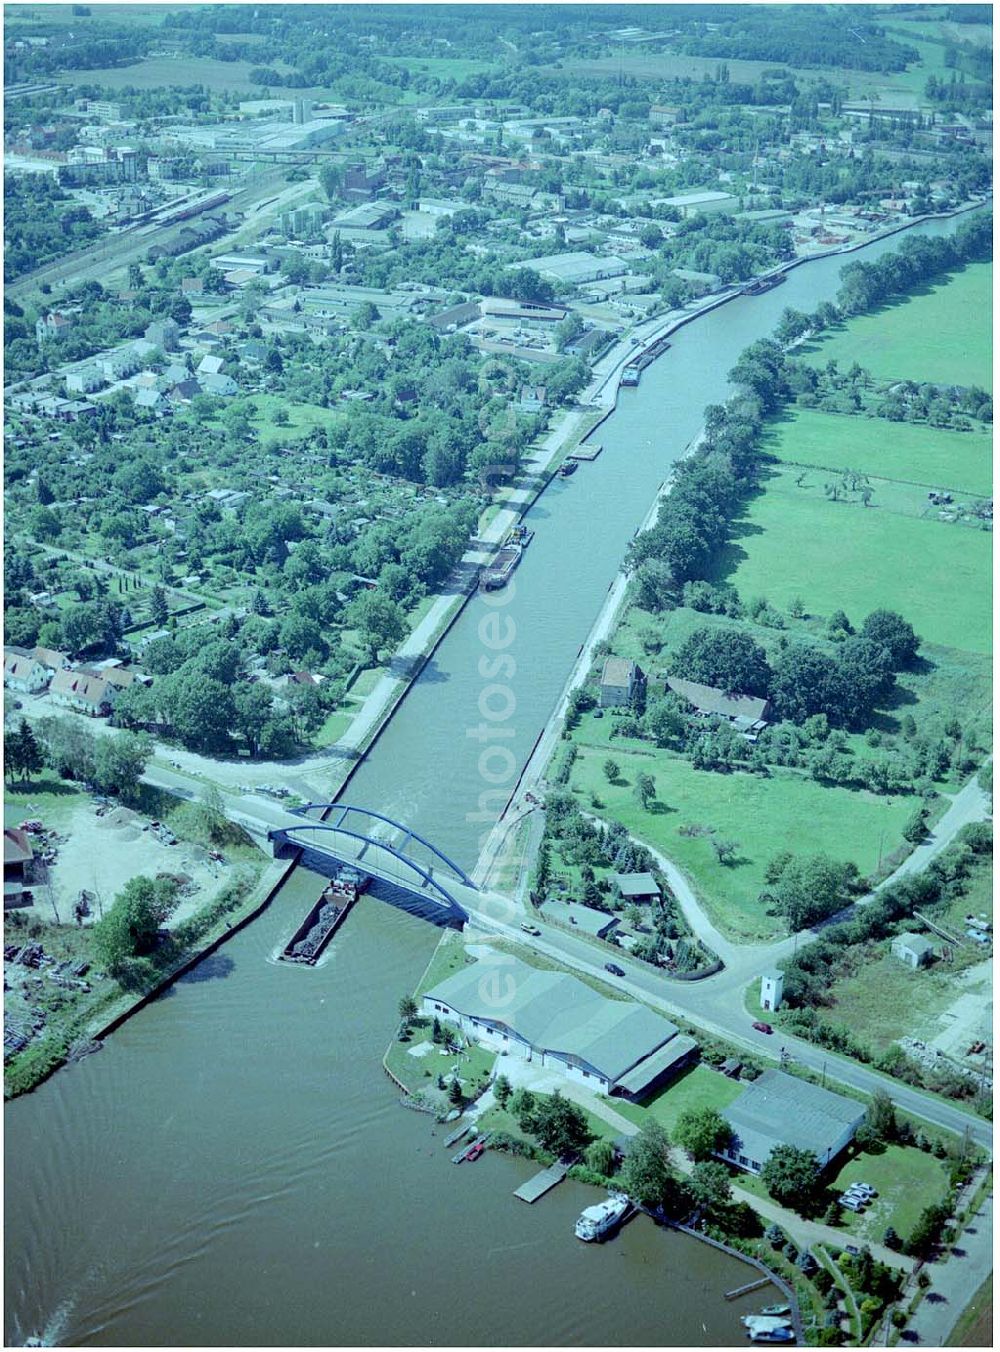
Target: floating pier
542,1183
588,451
750,1286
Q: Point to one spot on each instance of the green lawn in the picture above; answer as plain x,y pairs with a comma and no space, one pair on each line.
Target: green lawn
943,333
51,799
698,1087
793,541
764,816
960,461
907,1180
301,417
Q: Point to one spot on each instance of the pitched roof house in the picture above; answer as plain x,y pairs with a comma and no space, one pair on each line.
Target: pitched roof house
745,712
779,1109
88,694
22,671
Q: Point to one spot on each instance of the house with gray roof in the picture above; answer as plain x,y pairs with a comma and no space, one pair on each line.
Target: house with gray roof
636,886
779,1109
587,919
619,679
748,714
552,1019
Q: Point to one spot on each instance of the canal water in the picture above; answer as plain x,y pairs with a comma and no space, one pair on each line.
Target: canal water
234,1168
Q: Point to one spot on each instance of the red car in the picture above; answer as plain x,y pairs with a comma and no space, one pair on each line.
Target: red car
763,1027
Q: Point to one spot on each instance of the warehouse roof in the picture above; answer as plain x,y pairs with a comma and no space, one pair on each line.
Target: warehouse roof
557,1013
778,1109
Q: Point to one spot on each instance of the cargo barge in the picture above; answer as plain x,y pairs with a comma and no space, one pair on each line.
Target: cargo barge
634,368
761,284
324,919
498,573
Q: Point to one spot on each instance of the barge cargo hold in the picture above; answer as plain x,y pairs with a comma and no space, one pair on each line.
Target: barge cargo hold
498,573
761,284
634,368
324,919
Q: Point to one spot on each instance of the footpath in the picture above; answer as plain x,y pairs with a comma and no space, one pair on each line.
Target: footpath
955,1281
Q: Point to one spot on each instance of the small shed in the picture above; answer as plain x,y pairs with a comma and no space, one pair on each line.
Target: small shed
913,949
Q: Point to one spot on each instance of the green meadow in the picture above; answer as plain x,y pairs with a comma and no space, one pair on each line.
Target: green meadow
910,452
942,333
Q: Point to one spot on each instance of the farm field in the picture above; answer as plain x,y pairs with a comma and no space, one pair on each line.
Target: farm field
840,555
911,452
903,90
941,333
764,816
182,69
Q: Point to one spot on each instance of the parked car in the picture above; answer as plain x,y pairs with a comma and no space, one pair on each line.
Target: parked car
531,929
865,1189
614,969
853,1203
852,1249
762,1027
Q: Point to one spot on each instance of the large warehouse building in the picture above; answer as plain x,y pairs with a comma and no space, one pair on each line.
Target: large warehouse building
611,1046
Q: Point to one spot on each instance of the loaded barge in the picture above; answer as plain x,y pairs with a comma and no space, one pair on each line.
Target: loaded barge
324,919
634,368
761,284
498,573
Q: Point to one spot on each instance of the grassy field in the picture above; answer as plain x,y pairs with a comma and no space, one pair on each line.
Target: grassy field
793,541
698,1087
960,461
907,1180
941,333
301,417
886,1000
764,816
903,90
182,69
51,799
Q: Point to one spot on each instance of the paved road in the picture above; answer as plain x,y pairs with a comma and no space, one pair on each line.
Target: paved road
955,1281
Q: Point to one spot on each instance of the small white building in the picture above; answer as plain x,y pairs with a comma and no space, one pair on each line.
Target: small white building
913,949
85,380
771,988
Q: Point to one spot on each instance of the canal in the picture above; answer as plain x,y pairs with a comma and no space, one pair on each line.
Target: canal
234,1168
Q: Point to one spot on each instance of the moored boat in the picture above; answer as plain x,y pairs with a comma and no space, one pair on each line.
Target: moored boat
596,1222
776,1309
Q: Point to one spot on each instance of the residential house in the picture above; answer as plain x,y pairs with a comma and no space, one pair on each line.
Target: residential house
779,1109
51,658
913,949
87,694
531,399
619,680
52,325
23,672
219,385
550,1018
184,391
192,287
149,399
636,887
18,862
163,333
121,364
210,366
748,714
85,380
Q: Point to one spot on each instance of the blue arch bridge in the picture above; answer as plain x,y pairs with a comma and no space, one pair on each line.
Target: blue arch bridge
407,869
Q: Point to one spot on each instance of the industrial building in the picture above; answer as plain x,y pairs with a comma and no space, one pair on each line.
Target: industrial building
550,1018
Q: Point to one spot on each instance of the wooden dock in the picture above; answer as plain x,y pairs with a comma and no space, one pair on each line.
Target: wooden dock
543,1182
750,1286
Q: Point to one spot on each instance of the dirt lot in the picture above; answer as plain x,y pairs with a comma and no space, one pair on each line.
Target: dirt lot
101,854
969,1017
